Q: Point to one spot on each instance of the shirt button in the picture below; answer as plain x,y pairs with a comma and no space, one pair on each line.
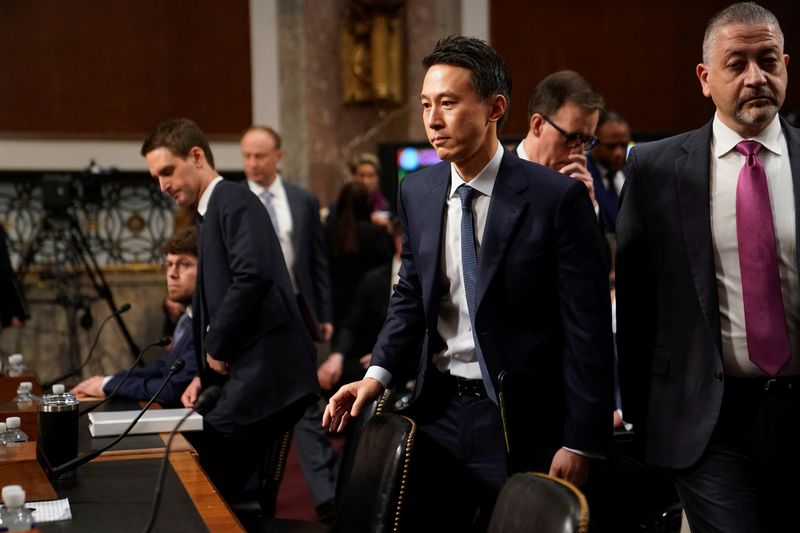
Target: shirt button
718,375
469,328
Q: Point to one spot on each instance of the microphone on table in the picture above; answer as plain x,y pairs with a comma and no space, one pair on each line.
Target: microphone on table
205,402
163,341
123,308
176,367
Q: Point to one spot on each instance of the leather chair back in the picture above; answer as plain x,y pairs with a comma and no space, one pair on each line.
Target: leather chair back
373,498
538,502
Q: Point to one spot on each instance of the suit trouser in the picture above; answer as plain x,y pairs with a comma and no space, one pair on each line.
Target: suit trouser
317,459
738,483
234,461
459,462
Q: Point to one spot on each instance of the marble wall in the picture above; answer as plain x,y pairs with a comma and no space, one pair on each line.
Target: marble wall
320,132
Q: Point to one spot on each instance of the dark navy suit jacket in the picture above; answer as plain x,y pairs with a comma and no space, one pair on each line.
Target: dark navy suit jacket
310,257
245,313
669,339
543,295
144,381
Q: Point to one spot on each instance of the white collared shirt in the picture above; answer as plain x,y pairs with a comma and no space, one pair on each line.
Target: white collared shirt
726,163
202,204
280,203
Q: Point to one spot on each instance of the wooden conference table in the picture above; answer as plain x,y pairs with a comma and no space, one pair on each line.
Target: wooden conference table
114,492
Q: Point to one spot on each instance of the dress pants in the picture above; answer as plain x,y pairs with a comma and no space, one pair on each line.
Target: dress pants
754,452
459,462
317,458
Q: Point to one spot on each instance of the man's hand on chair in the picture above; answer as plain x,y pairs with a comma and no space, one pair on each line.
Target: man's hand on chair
348,402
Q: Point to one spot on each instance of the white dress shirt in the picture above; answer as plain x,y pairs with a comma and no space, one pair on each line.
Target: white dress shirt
726,163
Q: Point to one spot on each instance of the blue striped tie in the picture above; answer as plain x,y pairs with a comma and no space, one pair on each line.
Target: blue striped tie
469,266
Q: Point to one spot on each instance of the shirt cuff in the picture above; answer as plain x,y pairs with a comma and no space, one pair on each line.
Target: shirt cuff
381,374
585,454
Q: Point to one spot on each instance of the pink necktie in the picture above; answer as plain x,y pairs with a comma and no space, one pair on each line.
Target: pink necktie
765,323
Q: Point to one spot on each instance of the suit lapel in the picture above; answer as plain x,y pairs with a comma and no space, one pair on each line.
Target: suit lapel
793,142
429,227
692,177
505,209
294,211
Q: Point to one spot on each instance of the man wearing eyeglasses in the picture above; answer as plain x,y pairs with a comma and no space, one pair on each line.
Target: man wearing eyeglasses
563,112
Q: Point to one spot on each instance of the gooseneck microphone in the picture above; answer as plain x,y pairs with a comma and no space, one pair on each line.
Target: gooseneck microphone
176,367
123,308
163,341
205,402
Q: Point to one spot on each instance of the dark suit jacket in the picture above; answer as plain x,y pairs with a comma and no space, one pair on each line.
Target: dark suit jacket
607,203
245,299
144,381
668,322
543,295
310,257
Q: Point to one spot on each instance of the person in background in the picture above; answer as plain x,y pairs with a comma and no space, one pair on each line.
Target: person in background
143,382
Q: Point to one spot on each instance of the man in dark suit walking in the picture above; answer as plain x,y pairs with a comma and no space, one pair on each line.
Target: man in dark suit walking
294,213
708,299
249,336
502,268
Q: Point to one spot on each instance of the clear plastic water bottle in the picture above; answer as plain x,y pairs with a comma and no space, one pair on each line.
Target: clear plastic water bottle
16,365
14,516
3,430
25,393
14,433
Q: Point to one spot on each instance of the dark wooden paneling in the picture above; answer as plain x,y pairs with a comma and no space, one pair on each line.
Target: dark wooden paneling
640,55
115,68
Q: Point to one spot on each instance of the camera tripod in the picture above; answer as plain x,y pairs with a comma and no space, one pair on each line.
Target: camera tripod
70,249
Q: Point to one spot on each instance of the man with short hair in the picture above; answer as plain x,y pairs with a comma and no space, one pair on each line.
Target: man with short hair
708,297
295,216
142,383
501,270
248,333
605,164
563,112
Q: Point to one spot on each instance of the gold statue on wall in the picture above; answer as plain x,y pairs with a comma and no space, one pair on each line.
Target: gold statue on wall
371,34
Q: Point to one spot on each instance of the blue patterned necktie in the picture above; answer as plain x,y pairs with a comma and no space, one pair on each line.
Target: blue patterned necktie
469,266
181,328
266,199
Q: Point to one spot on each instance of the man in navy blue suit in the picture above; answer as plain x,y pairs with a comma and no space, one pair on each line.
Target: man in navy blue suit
295,216
249,335
181,262
502,269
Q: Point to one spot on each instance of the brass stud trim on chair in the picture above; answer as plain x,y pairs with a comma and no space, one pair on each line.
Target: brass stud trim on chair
406,468
583,520
283,454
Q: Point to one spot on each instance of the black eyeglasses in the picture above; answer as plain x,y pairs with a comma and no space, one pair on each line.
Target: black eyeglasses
573,140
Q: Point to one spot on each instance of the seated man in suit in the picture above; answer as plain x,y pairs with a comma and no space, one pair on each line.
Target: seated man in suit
605,163
181,261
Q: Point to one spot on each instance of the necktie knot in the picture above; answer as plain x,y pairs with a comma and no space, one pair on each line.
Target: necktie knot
465,192
750,150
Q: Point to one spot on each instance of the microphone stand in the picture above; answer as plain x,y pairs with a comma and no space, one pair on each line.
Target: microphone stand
72,464
163,341
207,400
122,309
